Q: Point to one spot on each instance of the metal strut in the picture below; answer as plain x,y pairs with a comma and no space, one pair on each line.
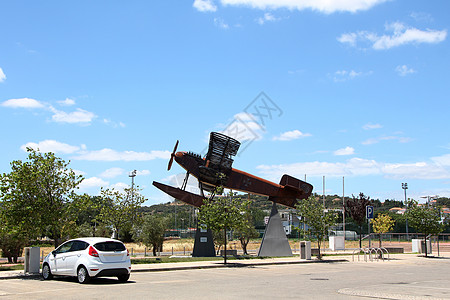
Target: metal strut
185,181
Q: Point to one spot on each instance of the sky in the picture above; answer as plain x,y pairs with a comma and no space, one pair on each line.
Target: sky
350,93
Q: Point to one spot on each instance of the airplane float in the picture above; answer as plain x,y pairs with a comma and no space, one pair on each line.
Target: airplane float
215,169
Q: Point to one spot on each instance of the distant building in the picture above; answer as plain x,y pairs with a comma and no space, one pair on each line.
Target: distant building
398,210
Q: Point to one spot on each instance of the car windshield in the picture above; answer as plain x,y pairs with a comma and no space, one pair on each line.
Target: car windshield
110,246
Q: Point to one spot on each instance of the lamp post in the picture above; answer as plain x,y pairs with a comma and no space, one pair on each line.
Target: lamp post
405,187
429,198
132,175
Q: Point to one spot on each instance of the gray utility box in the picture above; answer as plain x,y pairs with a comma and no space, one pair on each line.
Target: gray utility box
337,242
418,246
32,262
305,250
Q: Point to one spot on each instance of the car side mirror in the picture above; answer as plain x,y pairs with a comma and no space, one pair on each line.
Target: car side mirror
54,252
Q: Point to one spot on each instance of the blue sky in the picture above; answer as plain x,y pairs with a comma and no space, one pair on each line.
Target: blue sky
355,89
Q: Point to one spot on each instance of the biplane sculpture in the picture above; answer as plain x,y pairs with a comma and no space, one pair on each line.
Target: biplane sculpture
215,169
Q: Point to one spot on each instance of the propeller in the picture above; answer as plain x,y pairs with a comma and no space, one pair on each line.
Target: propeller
172,156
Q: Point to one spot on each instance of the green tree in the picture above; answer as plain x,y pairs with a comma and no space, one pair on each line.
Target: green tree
246,230
318,220
34,197
223,213
87,210
382,224
151,232
121,209
356,208
425,220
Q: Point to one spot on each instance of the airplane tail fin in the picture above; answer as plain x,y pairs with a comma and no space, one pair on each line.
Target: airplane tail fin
297,184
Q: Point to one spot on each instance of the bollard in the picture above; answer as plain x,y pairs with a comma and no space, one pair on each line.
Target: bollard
172,250
131,251
145,251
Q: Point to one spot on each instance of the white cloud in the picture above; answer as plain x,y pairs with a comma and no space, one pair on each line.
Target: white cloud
143,172
370,126
67,102
22,103
443,160
268,17
357,167
244,128
401,34
349,38
78,116
112,172
419,170
93,182
114,124
113,155
400,139
354,166
119,186
2,75
51,146
204,5
344,75
323,6
404,70
345,151
219,22
291,135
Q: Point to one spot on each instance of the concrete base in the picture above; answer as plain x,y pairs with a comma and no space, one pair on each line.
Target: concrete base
203,244
275,242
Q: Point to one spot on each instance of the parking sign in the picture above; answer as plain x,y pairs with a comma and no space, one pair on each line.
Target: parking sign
369,212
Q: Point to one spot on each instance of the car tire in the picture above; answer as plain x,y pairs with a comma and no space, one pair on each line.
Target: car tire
46,272
83,275
123,277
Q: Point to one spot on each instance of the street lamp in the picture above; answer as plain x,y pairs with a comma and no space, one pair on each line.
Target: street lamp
429,198
405,187
132,175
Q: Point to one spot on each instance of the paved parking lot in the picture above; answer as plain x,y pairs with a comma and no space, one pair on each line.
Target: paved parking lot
405,277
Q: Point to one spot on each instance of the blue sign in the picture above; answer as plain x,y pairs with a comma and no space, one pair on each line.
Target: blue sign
369,212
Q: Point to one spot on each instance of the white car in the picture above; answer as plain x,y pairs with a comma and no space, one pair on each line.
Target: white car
88,257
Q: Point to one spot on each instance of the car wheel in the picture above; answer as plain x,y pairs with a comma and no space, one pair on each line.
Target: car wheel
83,275
123,277
46,272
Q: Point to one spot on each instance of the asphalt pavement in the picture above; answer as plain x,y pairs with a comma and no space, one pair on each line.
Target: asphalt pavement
435,289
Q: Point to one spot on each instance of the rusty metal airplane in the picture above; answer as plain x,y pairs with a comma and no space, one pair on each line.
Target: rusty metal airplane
215,170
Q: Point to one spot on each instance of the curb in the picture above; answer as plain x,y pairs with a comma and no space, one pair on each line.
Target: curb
197,267
21,276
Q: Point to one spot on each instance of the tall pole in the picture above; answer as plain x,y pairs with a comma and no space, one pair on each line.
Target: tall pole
405,187
323,197
132,175
343,206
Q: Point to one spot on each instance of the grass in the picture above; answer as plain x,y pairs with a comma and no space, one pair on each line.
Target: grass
11,268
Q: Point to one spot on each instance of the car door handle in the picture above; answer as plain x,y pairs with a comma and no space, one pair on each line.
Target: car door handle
78,255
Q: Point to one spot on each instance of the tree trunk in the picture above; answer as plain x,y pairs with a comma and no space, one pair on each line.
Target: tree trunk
426,250
318,245
244,243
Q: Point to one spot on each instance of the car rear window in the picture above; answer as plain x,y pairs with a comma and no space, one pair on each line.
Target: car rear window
110,246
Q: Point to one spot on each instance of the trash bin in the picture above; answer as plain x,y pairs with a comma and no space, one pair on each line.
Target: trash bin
32,262
305,250
418,246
